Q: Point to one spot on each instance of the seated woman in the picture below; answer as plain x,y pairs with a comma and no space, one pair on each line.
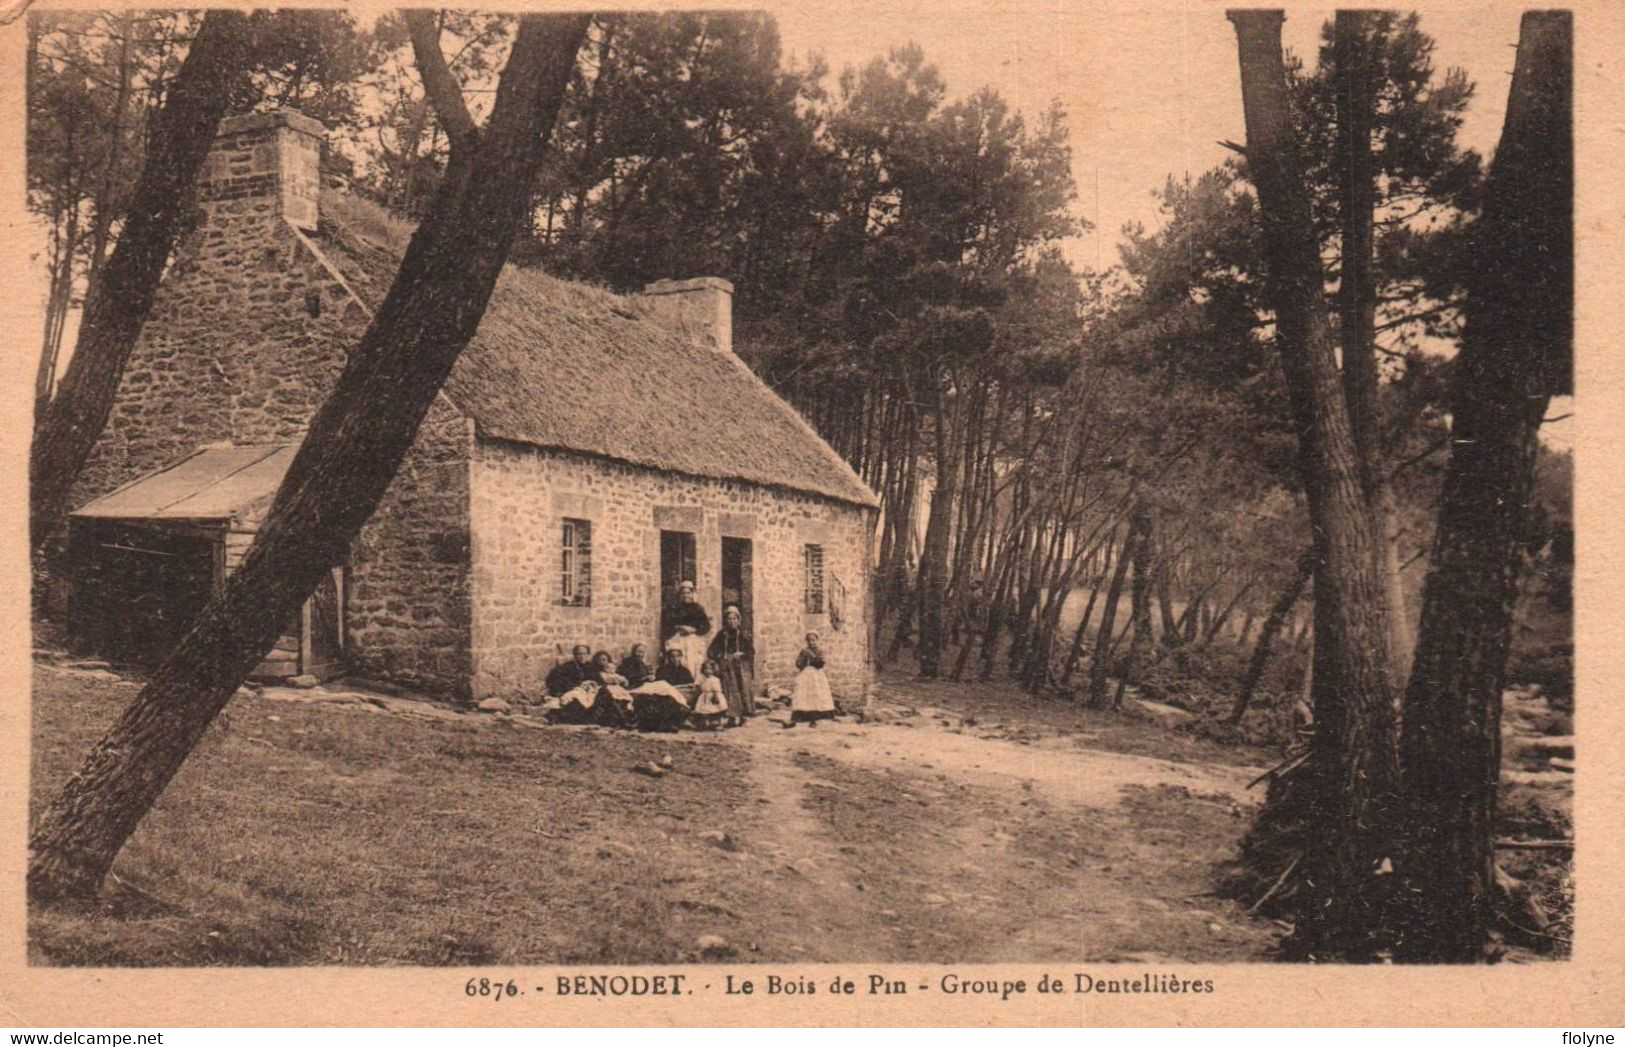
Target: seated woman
635,668
567,676
603,665
673,671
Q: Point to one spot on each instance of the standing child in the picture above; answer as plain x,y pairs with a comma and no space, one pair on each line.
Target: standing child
711,704
812,701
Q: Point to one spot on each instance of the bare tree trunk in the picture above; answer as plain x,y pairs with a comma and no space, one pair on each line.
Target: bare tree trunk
1219,620
101,229
1516,351
56,313
355,445
1356,71
933,583
1139,603
1353,767
1099,666
116,306
1172,632
1082,633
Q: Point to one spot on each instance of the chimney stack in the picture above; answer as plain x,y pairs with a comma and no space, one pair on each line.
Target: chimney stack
265,163
700,309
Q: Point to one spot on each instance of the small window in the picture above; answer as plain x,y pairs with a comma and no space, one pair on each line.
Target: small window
814,579
575,575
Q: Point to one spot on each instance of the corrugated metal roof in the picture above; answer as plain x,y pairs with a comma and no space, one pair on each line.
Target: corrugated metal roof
215,483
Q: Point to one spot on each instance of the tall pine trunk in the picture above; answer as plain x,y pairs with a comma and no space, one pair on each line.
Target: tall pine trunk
1516,351
1356,71
1353,768
355,444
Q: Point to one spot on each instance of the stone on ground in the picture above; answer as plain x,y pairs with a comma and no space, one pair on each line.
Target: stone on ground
714,946
1159,713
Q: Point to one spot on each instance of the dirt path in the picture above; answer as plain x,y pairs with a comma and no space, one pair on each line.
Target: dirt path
925,842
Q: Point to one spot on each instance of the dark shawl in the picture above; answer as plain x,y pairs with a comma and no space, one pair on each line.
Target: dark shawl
567,676
689,614
635,670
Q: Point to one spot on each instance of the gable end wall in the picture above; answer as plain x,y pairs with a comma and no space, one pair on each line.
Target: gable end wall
246,338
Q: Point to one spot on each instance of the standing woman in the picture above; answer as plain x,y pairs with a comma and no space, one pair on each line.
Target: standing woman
736,664
812,701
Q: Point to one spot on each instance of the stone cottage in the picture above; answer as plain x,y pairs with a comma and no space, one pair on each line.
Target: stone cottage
589,452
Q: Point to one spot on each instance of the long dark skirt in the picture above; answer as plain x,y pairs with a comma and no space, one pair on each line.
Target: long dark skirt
739,687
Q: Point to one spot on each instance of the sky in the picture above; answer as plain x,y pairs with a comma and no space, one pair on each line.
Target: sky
1150,92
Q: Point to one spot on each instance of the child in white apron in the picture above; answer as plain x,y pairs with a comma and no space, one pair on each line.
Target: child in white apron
710,706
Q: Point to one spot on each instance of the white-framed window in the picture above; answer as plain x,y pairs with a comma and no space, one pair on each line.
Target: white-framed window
813,579
575,564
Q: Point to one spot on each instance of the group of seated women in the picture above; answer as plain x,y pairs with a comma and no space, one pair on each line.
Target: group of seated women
633,671
593,688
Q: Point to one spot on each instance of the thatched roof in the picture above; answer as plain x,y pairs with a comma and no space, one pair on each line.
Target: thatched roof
566,366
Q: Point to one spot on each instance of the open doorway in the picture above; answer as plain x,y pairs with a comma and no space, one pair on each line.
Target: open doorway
736,578
324,653
677,564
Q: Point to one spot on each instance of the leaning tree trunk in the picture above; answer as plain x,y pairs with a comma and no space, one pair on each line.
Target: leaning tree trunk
1273,623
1081,635
356,442
119,299
1353,766
1516,351
1139,647
1099,662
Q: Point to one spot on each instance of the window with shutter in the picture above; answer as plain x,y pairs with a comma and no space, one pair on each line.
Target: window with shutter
575,564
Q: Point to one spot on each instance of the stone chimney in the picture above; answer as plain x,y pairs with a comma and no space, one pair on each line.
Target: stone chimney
700,309
264,163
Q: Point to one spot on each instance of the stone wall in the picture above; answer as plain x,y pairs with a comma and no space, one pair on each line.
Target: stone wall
519,497
408,601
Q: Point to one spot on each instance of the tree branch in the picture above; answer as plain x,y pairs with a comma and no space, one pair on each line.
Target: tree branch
445,93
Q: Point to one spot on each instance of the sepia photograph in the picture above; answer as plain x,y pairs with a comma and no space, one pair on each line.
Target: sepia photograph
650,490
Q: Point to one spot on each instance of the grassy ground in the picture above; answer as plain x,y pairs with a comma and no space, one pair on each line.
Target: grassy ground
304,834
307,833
